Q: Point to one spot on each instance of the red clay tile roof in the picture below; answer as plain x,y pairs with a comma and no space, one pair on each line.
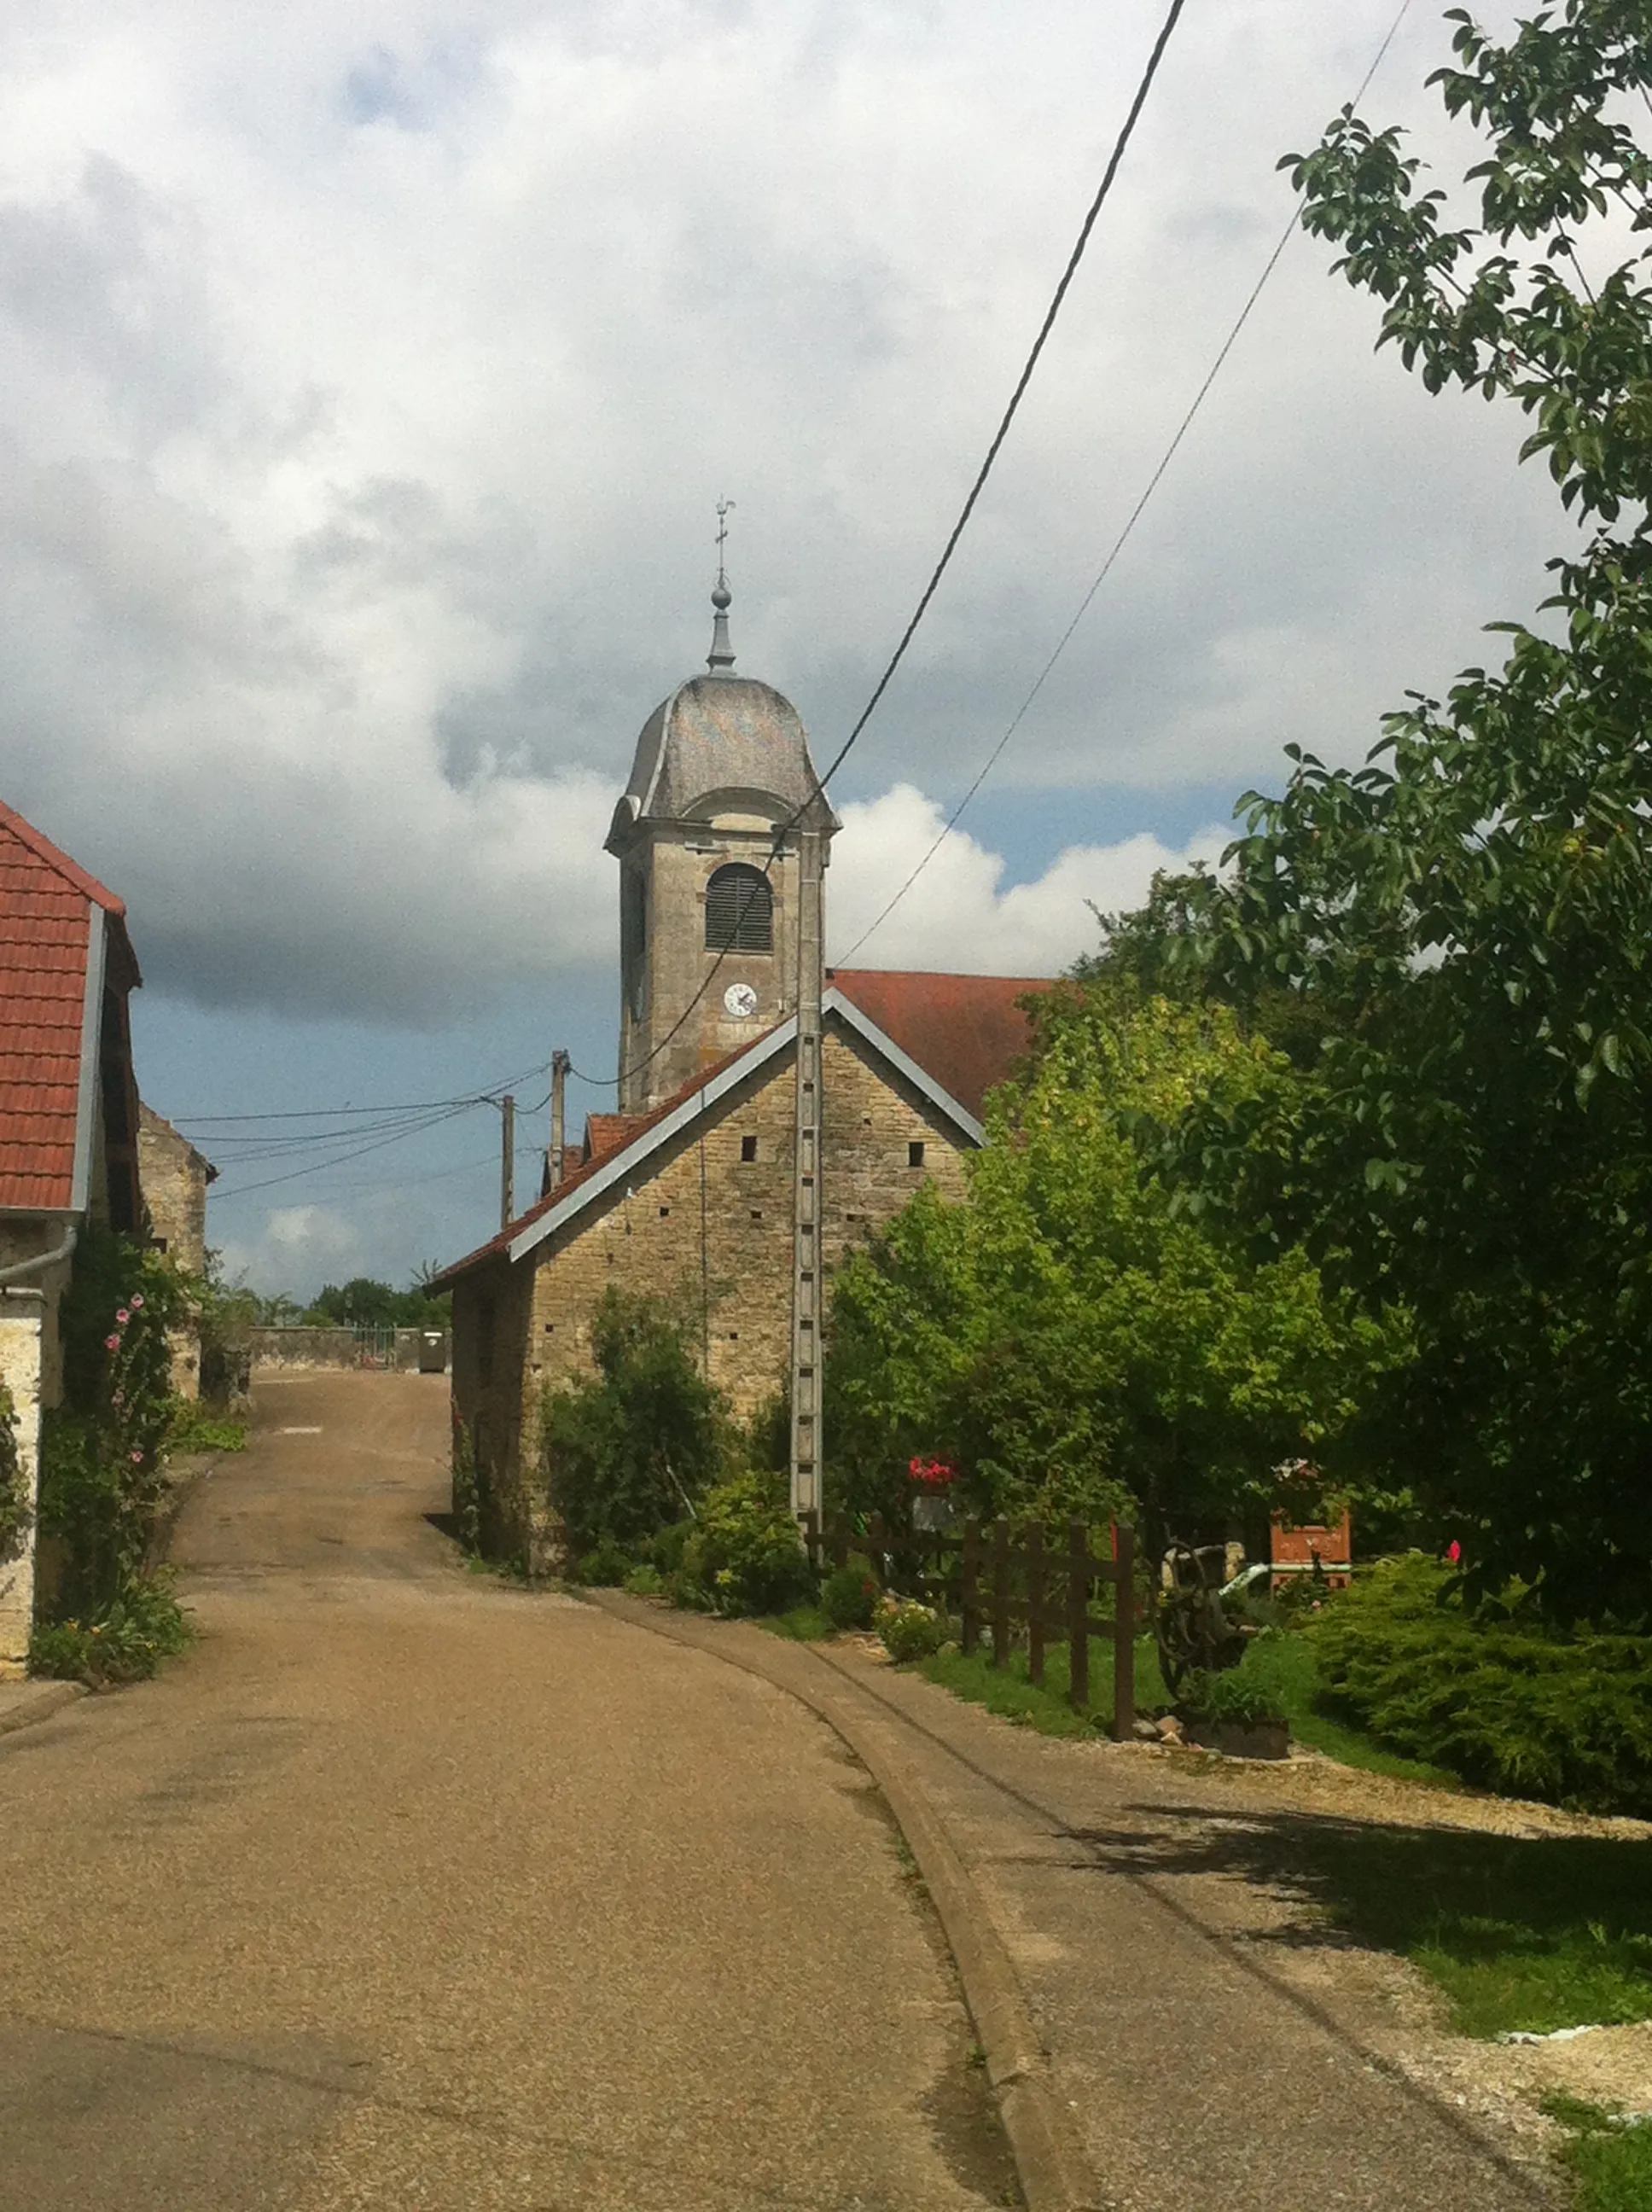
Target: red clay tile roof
966,1032
44,927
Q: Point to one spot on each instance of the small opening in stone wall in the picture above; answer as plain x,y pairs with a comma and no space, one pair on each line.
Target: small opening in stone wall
664,1210
748,1148
734,1336
757,1213
915,1153
551,1328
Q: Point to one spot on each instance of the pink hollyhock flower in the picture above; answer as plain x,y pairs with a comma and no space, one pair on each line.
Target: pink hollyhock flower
137,1458
138,1302
112,1343
122,1315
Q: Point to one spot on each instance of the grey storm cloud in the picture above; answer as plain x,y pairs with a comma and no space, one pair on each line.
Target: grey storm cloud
366,379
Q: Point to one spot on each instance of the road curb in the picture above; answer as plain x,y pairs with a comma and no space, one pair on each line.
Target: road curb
1050,2159
42,1699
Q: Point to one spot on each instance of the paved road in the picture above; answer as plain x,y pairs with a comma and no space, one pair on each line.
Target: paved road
407,1889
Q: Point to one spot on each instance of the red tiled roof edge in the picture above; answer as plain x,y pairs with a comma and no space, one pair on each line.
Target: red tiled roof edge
71,871
641,1125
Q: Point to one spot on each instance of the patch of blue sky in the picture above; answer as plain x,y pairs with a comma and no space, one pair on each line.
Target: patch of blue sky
385,86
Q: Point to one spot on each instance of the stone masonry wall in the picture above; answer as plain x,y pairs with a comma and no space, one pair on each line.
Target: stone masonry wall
736,1296
21,1316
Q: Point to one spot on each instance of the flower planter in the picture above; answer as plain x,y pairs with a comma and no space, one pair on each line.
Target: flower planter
1242,1738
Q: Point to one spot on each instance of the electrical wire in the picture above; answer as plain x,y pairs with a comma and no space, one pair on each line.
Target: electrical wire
1123,538
320,1166
968,507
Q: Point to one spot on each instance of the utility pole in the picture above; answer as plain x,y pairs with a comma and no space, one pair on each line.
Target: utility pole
807,1495
560,1064
508,1160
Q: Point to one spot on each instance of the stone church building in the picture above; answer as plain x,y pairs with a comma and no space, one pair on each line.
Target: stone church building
686,1191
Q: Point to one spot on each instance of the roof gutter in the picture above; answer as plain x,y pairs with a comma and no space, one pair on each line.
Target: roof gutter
20,1269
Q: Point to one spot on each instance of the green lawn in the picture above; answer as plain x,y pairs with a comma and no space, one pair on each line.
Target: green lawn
1286,1663
1008,1691
803,1624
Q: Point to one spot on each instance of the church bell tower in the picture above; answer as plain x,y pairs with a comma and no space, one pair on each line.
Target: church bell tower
707,839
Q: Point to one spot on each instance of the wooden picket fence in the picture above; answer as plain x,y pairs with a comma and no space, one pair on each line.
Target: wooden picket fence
1008,1581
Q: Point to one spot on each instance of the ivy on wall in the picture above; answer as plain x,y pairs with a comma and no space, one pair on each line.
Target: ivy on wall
15,1514
102,1473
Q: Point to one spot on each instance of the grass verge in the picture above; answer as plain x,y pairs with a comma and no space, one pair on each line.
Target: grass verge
1009,1691
1285,1663
803,1624
1610,2160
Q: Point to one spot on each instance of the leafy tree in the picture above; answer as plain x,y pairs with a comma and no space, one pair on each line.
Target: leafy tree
1467,920
623,1452
364,1302
1071,1339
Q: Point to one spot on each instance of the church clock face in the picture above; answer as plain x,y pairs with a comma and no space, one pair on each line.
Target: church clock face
740,1001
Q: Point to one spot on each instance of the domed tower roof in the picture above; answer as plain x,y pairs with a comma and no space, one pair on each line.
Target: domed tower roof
721,744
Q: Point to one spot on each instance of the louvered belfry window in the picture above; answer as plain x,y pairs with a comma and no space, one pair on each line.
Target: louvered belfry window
740,911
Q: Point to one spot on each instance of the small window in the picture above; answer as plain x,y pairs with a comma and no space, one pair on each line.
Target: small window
915,1153
748,1148
739,910
664,1211
551,1328
757,1213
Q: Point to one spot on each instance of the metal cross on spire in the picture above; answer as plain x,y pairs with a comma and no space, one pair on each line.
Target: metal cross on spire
720,658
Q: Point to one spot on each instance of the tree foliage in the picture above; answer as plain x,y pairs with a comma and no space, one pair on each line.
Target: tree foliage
1465,922
624,1450
1070,1339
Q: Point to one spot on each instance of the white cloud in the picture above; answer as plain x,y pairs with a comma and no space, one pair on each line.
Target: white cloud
305,1245
367,375
958,916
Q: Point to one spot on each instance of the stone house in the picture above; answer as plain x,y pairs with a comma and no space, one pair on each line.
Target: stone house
69,1123
686,1190
173,1177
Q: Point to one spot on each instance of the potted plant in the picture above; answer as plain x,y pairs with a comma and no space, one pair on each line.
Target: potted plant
1230,1713
933,1502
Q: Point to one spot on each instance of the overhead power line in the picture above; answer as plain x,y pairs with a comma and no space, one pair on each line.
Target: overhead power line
1123,538
968,507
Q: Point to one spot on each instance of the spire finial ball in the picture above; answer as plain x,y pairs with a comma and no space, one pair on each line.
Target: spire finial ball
722,599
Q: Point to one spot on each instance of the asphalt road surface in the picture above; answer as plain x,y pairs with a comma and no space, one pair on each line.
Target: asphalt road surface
409,1889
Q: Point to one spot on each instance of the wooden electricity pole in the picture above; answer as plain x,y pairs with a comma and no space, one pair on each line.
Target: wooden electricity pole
806,1492
508,1160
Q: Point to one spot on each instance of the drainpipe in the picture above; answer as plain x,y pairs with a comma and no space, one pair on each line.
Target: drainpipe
20,1268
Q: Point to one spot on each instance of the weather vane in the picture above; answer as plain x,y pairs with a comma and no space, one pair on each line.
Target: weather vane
725,508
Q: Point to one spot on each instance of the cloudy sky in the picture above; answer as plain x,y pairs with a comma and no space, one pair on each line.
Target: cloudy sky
368,375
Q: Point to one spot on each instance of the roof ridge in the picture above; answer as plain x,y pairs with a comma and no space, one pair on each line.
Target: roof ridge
43,848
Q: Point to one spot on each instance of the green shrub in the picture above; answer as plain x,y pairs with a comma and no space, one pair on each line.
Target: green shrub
1488,1694
605,1566
666,1549
909,1630
1232,1695
848,1594
644,1581
743,1555
621,1453
125,1640
196,1427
